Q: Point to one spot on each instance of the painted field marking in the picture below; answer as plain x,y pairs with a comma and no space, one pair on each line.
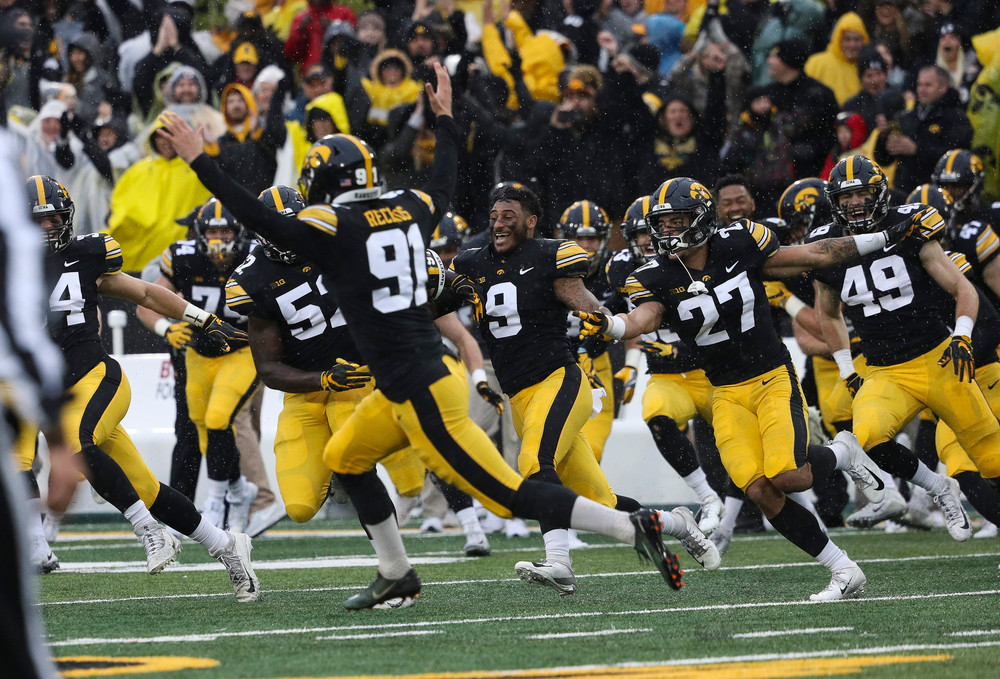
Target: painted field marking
213,636
788,632
598,633
414,633
975,633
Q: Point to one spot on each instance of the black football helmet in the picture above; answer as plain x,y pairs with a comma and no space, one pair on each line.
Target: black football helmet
214,214
339,168
853,173
586,219
681,195
635,224
960,173
47,197
503,185
285,201
803,206
936,197
451,232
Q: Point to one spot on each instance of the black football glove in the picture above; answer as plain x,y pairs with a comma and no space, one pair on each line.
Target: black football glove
179,334
659,349
344,376
490,396
959,354
593,324
222,333
469,291
923,226
627,376
854,382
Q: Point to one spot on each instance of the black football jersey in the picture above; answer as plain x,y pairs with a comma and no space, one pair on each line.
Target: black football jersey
524,326
597,283
887,295
729,328
204,285
74,322
978,242
986,332
619,268
313,330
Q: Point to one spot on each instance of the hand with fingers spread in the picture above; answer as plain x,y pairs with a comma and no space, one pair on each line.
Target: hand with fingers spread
959,354
599,324
923,226
659,349
187,142
179,334
344,376
222,333
469,291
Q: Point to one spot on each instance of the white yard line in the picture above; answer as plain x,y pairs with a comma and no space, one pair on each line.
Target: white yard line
598,633
975,633
788,632
416,633
555,616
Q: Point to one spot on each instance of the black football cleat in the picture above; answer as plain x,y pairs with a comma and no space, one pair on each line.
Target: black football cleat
649,545
385,594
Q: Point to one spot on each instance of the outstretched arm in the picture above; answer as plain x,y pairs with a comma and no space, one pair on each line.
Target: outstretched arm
646,317
575,295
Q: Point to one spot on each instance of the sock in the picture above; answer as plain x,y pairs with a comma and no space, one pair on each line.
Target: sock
668,524
895,458
981,494
34,526
930,481
557,546
139,516
698,482
469,519
216,540
833,557
588,515
733,507
370,498
925,448
825,459
388,545
800,528
457,499
627,504
217,489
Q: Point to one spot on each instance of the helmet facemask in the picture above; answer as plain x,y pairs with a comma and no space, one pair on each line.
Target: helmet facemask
863,217
56,237
673,240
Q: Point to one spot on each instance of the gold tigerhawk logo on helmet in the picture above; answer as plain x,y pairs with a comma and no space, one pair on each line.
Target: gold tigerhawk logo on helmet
317,155
975,163
698,191
805,198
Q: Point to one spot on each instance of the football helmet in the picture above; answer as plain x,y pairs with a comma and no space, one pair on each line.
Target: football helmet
960,173
285,201
635,224
451,232
853,173
212,215
586,219
936,197
339,168
47,197
803,206
681,195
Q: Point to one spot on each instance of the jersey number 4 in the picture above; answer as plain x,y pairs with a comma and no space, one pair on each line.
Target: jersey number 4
67,297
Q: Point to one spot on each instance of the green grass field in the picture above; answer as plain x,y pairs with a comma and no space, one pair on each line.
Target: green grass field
931,609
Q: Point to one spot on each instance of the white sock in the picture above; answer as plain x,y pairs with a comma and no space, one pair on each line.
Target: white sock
217,489
841,452
588,515
697,482
238,486
34,526
733,507
930,481
215,539
138,516
469,519
668,523
557,546
388,545
833,557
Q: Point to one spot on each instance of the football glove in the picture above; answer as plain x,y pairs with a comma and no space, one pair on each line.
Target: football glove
179,334
659,349
490,396
777,294
923,226
344,376
854,383
469,291
587,365
222,333
627,376
593,324
959,354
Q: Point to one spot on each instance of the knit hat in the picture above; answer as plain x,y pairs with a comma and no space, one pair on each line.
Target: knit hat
870,57
793,52
646,55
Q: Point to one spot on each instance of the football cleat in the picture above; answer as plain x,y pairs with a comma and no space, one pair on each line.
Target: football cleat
215,511
693,540
710,515
921,511
432,524
236,559
476,543
955,517
891,507
161,547
42,557
863,471
516,528
264,518
239,506
574,540
846,583
649,545
558,576
386,594
50,527
989,530
723,539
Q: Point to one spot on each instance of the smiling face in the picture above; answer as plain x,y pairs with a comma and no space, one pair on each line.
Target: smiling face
510,225
734,202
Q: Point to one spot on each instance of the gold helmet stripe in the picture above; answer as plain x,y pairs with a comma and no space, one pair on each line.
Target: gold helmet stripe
950,163
218,210
40,190
663,191
369,183
276,195
850,167
585,205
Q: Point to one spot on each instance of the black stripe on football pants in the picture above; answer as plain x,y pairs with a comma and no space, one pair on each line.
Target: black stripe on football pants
559,412
800,428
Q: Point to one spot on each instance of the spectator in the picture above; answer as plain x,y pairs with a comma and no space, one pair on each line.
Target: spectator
664,30
922,135
25,61
246,64
886,24
421,42
305,40
93,84
172,42
248,150
47,142
851,135
581,27
691,75
148,199
740,21
265,86
621,19
873,71
958,60
339,45
388,86
790,20
371,39
540,55
836,67
266,48
316,80
186,95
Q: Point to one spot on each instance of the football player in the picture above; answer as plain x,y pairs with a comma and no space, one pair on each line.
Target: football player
707,285
677,390
99,393
219,383
370,245
528,284
907,342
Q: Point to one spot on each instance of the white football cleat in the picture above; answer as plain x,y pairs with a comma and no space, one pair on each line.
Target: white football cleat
516,528
42,557
722,538
846,583
161,547
236,559
432,524
921,511
891,507
239,506
989,530
710,515
863,471
955,517
264,518
558,576
693,540
476,543
50,527
574,540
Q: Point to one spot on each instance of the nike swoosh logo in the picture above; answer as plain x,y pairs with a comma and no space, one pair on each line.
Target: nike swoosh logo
889,247
71,263
843,590
879,484
771,379
993,385
731,267
524,271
